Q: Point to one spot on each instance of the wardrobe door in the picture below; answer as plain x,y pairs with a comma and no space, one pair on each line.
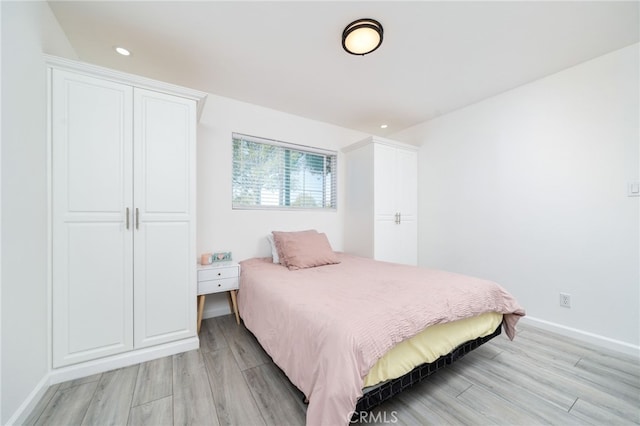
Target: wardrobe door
407,206
164,235
385,213
92,271
395,205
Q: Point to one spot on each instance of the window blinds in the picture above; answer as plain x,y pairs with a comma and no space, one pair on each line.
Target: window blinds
275,174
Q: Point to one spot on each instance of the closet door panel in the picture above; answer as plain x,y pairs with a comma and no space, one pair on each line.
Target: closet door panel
99,303
407,184
385,182
407,205
407,241
164,136
164,197
386,244
92,267
95,160
162,303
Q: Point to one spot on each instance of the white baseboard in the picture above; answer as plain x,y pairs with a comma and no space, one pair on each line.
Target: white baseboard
121,360
216,311
584,336
27,406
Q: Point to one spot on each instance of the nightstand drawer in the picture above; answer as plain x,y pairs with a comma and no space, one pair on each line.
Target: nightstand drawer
215,286
217,273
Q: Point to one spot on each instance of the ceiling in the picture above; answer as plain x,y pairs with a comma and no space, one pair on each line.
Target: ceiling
436,56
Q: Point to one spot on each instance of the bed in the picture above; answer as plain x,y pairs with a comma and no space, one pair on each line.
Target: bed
327,319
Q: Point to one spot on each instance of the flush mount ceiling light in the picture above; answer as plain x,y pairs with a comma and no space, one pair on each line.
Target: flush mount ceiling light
362,36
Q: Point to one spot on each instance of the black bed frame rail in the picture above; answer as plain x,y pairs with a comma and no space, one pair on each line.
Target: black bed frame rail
393,387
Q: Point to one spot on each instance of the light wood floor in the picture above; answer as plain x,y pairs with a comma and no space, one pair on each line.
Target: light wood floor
539,378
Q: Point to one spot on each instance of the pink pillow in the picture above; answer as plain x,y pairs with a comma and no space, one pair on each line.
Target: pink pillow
304,249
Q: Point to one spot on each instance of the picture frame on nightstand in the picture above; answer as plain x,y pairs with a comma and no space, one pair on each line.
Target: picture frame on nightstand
223,256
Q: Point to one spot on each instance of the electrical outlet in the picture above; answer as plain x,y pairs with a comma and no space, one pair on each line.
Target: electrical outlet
565,300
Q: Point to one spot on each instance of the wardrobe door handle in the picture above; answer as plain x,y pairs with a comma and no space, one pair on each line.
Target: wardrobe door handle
127,219
137,218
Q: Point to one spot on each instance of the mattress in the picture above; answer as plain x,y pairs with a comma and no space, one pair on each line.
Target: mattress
376,395
429,345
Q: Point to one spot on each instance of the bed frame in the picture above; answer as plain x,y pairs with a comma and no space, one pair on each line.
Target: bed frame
387,390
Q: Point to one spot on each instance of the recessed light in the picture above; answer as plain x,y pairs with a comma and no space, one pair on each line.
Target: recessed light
383,126
122,51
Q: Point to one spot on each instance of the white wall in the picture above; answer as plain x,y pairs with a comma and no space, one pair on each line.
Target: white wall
529,188
28,30
243,232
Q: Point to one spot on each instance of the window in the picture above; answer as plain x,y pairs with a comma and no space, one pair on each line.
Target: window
272,174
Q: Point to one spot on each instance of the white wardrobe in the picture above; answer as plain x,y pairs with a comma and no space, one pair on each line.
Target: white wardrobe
382,200
122,197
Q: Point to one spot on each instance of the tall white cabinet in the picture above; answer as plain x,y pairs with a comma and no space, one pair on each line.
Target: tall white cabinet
122,197
382,200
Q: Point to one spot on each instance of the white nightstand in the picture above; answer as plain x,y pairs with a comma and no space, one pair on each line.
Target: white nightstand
217,278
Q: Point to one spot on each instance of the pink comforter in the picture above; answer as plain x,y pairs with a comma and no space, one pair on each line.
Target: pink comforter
325,327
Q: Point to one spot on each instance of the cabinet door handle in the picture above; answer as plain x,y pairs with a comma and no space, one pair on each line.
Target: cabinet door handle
127,219
137,218
399,218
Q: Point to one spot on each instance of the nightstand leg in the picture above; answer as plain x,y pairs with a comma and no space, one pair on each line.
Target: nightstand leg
200,310
235,305
230,300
